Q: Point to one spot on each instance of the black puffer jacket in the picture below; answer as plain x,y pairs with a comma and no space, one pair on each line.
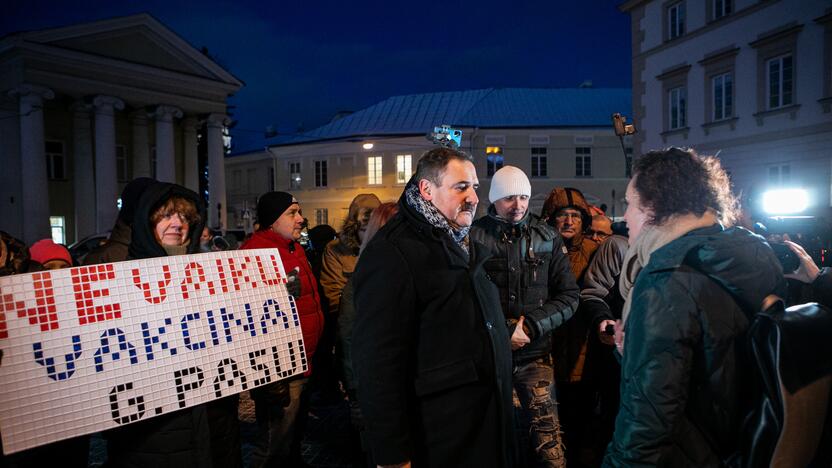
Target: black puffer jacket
184,438
529,265
430,350
685,375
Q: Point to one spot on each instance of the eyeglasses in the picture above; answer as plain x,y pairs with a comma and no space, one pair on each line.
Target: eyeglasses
564,215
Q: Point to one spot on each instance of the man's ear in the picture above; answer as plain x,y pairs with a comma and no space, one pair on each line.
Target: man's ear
425,188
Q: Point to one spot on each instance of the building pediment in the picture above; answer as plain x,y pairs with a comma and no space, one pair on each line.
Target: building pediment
137,39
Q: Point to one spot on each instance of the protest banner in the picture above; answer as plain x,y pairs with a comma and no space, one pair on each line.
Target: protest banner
92,348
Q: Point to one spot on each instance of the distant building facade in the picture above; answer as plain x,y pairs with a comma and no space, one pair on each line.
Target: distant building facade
559,137
750,80
86,108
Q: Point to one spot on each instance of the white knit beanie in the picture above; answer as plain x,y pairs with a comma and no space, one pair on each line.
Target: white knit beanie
509,181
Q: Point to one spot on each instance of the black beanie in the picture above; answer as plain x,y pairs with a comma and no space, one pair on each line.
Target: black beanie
271,205
130,197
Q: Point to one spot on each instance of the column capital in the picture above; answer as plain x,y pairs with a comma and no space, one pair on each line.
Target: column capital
107,104
166,113
35,91
217,120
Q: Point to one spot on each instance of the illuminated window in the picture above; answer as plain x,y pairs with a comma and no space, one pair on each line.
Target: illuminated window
404,168
374,170
494,159
58,229
294,175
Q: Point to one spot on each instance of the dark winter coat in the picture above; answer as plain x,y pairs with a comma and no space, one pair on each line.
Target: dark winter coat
684,378
600,298
115,249
181,439
431,350
529,265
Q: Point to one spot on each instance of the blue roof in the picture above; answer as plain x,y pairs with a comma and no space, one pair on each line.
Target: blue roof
485,108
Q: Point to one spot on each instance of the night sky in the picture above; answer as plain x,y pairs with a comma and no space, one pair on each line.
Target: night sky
304,61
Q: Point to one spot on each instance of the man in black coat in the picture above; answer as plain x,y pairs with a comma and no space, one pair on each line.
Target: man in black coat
430,346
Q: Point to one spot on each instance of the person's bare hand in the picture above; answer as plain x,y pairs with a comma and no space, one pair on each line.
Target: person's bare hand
619,337
602,334
519,337
807,271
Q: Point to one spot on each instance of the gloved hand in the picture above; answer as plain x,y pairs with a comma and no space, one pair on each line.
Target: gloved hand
293,282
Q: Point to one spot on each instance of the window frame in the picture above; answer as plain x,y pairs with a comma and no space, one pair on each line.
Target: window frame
123,172
61,225
773,45
321,216
405,172
539,161
51,158
680,105
295,183
584,155
375,170
781,79
494,160
321,173
674,30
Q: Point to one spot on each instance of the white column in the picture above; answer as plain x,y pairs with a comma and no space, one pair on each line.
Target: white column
217,209
84,170
35,186
106,185
190,125
165,166
141,144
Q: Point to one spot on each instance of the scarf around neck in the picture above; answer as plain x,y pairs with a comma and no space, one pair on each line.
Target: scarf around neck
435,218
651,239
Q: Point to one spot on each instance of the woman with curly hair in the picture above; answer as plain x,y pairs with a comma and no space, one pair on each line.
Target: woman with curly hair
691,286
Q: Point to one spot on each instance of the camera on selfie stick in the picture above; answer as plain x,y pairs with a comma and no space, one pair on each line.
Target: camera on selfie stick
444,135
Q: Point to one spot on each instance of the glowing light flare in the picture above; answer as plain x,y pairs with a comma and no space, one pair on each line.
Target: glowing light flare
367,146
785,201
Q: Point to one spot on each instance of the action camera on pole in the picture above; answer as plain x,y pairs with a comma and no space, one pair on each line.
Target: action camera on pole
446,136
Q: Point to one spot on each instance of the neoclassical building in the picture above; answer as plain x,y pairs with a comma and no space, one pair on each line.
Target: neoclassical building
750,80
86,108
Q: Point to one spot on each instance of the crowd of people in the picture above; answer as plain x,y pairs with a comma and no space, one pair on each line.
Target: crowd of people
516,339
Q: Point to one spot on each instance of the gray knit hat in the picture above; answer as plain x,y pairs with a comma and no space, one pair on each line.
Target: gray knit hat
509,181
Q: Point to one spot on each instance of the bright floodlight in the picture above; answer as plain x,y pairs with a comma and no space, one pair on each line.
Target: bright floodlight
787,201
368,146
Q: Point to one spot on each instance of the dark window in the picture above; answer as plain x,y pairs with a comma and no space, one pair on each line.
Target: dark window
55,160
539,162
583,161
320,173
